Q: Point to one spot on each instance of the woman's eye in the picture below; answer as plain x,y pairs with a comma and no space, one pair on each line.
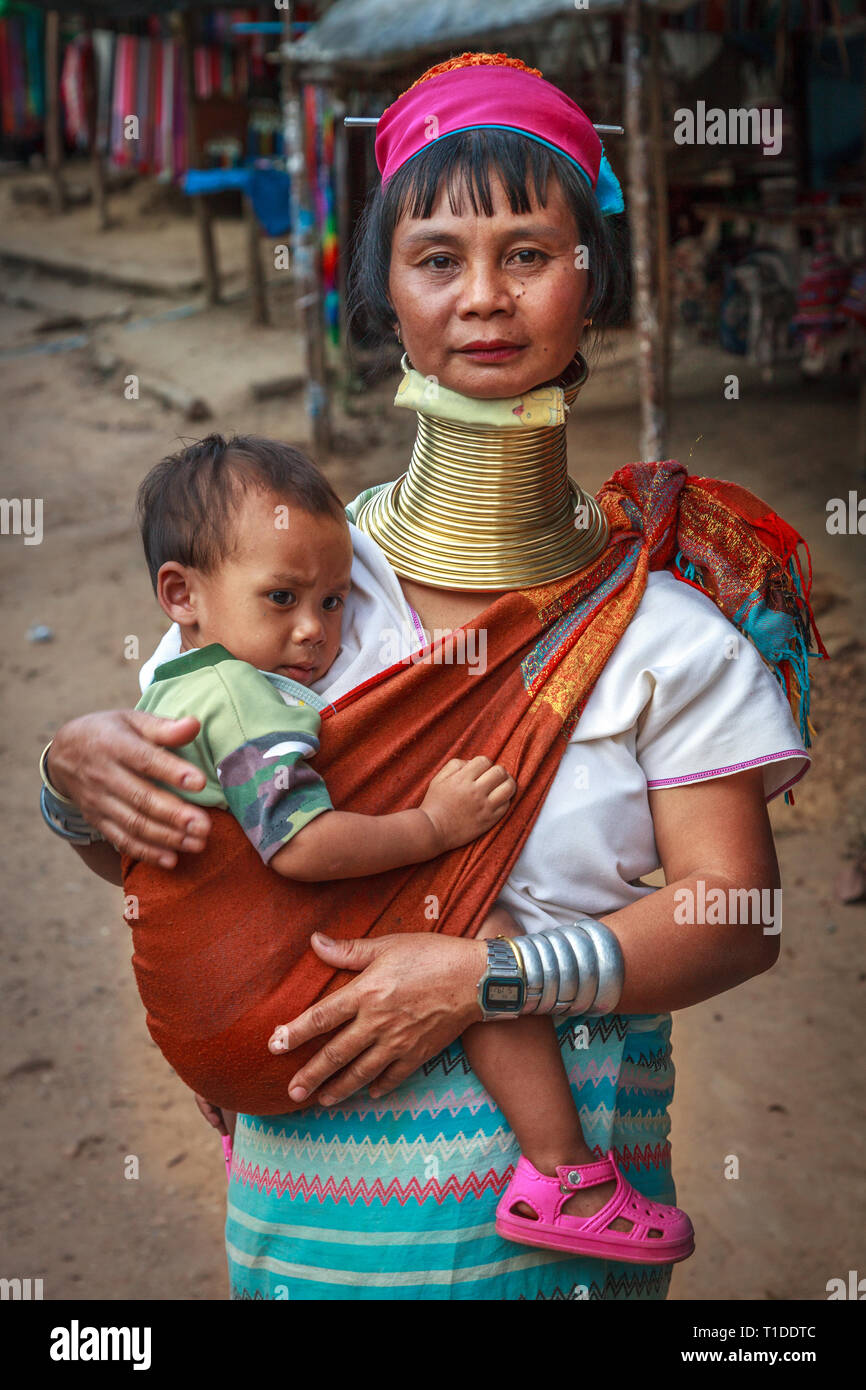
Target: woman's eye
440,256
531,251
281,596
335,601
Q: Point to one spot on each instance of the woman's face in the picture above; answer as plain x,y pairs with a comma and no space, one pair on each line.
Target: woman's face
459,281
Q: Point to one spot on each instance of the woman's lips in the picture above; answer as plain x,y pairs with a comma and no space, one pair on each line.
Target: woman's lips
495,353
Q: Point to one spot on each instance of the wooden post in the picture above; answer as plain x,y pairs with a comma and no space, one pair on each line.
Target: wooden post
203,218
305,254
662,218
258,290
652,427
91,96
341,185
53,137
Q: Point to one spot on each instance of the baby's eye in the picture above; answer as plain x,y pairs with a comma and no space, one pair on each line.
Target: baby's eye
334,600
281,596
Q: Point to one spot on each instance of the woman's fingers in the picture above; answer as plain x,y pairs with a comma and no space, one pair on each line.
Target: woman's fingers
136,849
340,1064
328,1014
355,953
140,835
154,816
366,1068
109,763
394,1076
147,754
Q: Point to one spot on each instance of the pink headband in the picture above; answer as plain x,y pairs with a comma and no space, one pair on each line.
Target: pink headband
486,95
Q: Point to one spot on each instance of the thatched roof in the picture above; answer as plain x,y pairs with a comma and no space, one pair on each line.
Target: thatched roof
377,34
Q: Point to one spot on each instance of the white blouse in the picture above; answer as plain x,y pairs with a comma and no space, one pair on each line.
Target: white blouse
682,698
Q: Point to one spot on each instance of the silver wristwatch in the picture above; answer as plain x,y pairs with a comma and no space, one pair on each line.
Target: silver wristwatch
502,987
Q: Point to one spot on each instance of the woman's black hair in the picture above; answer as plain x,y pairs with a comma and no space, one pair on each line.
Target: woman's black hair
465,160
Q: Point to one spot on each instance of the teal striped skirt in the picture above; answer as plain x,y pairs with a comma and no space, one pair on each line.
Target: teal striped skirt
396,1198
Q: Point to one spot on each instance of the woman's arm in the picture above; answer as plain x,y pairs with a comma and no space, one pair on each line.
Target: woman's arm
416,993
713,834
108,764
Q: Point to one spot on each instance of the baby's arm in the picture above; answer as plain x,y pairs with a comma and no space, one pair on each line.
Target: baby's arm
464,800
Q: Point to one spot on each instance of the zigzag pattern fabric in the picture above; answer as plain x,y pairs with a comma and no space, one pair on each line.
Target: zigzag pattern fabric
395,1199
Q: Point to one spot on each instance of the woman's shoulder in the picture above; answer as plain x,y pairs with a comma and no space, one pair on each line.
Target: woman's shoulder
678,659
692,696
673,614
674,628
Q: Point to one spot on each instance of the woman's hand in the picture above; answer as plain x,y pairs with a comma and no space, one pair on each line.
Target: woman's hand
415,995
108,764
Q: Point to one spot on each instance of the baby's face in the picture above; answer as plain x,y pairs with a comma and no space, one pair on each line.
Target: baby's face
277,600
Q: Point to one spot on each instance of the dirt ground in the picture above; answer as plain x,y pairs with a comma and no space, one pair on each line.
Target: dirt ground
768,1073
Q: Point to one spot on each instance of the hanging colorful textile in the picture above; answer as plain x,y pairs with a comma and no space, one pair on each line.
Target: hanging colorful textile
319,147
72,91
22,72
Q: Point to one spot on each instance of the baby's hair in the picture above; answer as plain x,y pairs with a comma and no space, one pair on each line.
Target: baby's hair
187,503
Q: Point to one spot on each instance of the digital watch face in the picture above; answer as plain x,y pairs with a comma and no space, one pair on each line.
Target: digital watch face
503,994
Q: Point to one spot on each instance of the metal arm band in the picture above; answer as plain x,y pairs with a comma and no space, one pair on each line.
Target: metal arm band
576,969
611,967
66,820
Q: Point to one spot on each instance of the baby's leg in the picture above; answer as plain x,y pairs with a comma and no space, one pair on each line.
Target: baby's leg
520,1064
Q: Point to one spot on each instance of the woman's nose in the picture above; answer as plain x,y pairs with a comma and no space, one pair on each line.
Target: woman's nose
484,289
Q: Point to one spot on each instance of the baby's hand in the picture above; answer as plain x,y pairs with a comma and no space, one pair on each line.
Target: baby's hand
466,798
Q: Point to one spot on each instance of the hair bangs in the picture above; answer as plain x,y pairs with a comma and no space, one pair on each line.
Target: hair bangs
463,165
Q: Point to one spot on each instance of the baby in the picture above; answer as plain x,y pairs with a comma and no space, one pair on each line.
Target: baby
250,553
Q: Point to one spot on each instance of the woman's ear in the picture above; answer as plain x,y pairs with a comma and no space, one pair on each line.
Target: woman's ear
176,594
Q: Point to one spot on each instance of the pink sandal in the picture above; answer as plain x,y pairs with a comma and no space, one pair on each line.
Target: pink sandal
591,1235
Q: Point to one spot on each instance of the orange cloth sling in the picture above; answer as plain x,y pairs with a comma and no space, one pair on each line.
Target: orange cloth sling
221,950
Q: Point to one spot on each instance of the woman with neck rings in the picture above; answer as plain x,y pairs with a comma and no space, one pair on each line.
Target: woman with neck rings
387,1186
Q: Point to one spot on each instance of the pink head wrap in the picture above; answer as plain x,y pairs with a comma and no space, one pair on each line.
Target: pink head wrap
505,98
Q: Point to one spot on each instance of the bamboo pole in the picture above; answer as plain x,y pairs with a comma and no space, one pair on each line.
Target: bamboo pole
53,139
652,424
204,221
305,252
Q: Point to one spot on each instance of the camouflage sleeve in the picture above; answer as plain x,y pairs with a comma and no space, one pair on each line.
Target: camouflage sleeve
267,780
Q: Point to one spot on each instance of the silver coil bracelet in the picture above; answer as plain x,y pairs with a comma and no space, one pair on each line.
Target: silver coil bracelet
576,969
